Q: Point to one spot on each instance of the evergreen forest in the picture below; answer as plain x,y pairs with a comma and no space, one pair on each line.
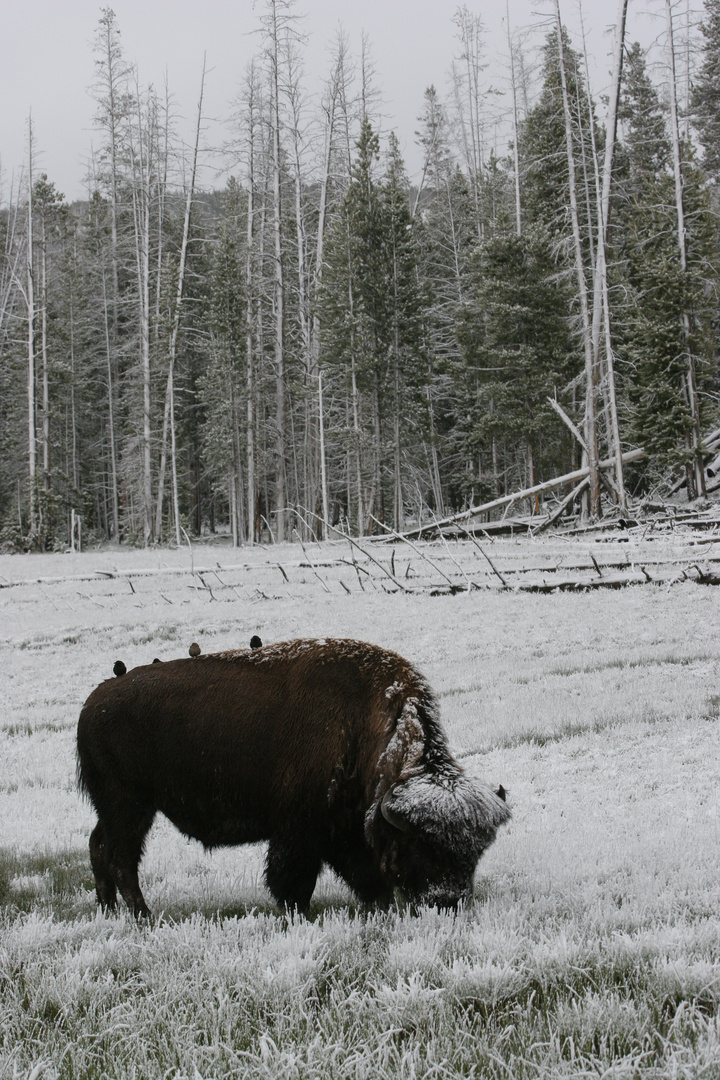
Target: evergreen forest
320,346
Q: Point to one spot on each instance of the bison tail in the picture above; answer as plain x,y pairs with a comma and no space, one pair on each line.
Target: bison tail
88,780
81,777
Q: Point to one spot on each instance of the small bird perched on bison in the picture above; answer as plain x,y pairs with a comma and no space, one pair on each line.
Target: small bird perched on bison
331,750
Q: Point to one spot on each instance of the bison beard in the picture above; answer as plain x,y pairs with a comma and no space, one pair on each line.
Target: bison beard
330,750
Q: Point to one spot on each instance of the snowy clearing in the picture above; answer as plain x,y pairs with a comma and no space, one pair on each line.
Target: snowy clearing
594,938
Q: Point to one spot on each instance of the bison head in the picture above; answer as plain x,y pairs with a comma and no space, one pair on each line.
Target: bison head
436,827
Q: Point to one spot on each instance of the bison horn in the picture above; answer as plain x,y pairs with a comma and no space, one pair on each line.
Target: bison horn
396,820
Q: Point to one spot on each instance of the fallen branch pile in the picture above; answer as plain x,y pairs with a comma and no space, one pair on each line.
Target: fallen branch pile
475,518
478,519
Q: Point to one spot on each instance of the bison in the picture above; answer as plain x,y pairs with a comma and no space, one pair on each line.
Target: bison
331,750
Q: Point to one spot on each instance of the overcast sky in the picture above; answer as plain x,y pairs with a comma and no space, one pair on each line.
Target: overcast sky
46,61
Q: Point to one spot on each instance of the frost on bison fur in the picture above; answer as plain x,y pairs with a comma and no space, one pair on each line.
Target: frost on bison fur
330,750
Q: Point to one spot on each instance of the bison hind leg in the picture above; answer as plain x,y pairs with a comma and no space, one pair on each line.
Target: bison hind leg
116,847
100,861
291,871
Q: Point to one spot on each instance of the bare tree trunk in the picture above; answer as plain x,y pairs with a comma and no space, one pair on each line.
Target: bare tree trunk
115,74
45,438
330,109
144,285
273,54
600,289
435,464
307,493
73,413
586,175
695,471
358,452
516,156
590,375
249,351
161,194
259,402
323,471
111,413
398,509
32,443
232,499
142,167
355,399
377,502
470,32
175,329
113,98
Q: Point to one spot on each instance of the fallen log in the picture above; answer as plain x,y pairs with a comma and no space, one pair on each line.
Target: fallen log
170,571
509,525
670,523
588,584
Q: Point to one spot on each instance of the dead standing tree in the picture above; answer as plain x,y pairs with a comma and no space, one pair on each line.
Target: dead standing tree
252,110
330,106
143,153
111,94
169,410
32,445
590,369
601,304
694,470
276,26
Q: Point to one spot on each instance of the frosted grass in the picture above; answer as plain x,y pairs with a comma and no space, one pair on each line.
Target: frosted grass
591,948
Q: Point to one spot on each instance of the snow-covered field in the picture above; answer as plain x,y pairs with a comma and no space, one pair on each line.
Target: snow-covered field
594,940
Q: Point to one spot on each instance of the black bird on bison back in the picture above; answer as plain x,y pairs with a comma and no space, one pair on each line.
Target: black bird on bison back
330,750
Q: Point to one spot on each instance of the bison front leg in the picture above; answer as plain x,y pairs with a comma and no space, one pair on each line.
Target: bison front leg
291,871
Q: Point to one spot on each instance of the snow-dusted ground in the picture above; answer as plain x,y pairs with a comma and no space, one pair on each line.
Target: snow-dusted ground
621,687
598,712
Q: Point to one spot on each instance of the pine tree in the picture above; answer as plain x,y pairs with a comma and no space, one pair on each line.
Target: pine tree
645,135
354,321
403,297
705,102
555,148
518,352
446,234
542,144
667,311
371,323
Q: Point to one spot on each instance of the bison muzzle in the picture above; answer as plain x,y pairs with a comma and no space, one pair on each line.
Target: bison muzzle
330,750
